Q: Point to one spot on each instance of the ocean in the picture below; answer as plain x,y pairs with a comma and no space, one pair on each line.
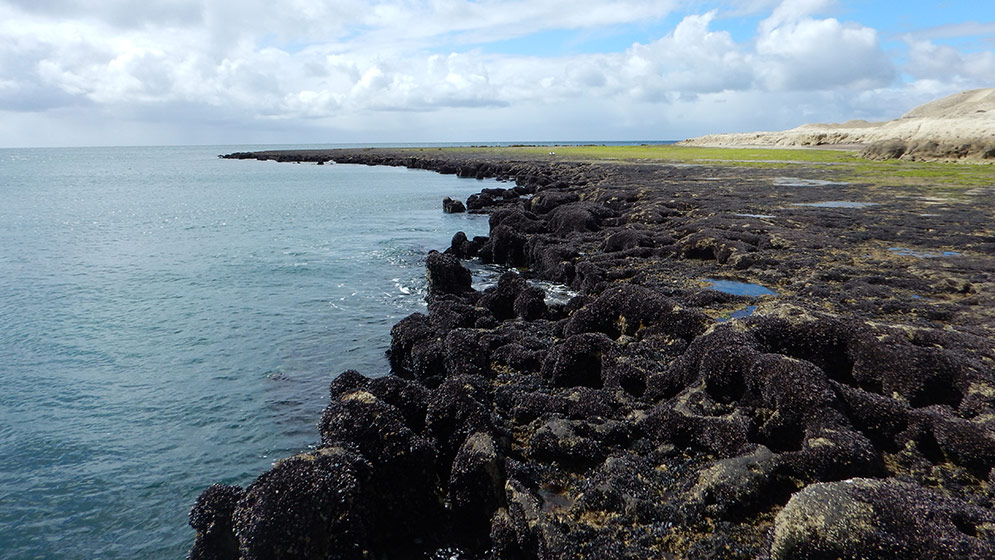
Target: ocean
171,320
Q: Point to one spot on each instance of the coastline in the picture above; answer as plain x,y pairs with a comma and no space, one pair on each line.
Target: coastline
638,420
958,127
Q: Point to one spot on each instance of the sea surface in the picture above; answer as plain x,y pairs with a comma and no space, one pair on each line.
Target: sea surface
169,320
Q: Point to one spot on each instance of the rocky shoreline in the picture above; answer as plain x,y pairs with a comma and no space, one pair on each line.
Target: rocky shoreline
849,412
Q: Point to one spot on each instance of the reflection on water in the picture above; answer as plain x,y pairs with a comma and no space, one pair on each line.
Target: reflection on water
837,204
908,252
738,288
799,182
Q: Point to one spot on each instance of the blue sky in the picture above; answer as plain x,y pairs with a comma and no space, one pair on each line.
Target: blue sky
87,72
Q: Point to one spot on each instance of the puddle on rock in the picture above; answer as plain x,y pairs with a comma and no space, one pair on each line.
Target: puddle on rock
738,288
760,216
837,204
799,182
739,314
554,501
907,252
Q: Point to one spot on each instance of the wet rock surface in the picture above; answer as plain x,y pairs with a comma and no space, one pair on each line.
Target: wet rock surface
852,415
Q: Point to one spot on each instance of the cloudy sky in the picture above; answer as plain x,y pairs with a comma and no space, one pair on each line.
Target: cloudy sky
119,72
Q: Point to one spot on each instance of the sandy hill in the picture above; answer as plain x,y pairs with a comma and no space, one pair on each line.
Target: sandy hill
954,127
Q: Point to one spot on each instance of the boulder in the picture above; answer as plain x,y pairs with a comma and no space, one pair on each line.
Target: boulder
738,485
455,411
632,310
463,248
530,304
211,517
417,350
880,520
578,361
476,487
314,505
446,275
500,299
452,206
403,463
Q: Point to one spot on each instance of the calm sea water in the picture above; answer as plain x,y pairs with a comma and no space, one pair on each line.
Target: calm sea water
171,320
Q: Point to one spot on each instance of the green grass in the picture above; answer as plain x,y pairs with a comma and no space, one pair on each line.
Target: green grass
680,154
924,174
846,165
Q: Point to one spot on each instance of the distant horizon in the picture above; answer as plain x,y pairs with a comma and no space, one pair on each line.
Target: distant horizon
197,72
346,145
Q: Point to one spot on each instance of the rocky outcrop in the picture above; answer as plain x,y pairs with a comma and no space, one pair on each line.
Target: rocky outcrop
452,206
841,418
957,127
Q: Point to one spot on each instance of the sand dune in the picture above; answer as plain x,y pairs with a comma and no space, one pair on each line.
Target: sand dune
960,126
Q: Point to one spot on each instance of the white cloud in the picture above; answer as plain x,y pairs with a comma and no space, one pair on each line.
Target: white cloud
928,60
692,59
790,12
397,67
801,52
953,31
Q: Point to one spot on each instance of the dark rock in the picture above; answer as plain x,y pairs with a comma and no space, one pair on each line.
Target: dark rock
448,315
527,405
463,248
576,217
578,361
500,300
588,403
466,353
832,453
966,442
633,311
505,246
504,537
880,519
479,201
627,239
519,357
546,201
516,219
796,389
693,420
625,486
416,350
409,398
552,260
314,505
403,463
920,375
738,485
628,423
446,275
559,440
452,206
476,487
718,246
531,304
211,517
455,411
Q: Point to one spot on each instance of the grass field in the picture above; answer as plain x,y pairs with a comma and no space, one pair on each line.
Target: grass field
846,165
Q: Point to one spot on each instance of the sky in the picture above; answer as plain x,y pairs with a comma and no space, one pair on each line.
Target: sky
194,72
